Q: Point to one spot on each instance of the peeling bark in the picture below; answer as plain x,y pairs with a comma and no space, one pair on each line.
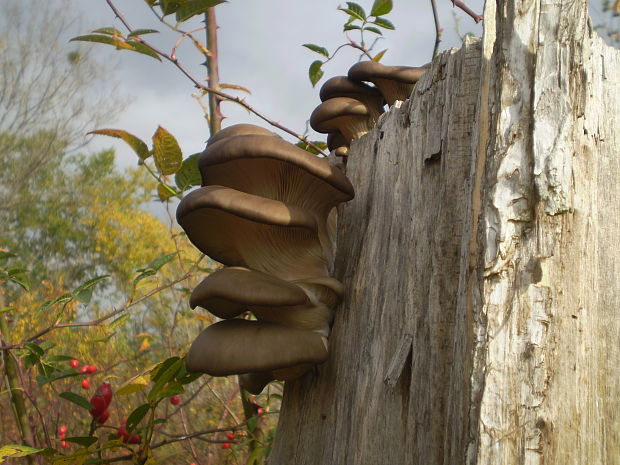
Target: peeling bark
481,322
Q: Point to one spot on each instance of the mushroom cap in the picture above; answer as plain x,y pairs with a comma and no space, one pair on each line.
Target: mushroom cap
323,116
371,70
342,86
240,130
228,292
236,346
336,140
254,383
239,229
323,289
272,167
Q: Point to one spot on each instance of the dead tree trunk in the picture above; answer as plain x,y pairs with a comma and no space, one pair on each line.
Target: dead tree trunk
481,261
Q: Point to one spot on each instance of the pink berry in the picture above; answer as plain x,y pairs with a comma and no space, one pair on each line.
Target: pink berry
226,445
85,384
74,363
175,400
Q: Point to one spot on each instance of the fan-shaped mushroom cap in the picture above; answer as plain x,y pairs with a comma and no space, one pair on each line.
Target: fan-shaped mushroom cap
342,86
254,383
322,289
337,144
275,169
394,82
229,292
240,346
240,130
349,116
239,229
272,167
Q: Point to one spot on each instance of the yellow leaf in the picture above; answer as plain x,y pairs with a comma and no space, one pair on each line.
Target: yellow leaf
135,384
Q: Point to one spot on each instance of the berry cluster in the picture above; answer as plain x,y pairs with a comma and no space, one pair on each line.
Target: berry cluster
62,433
101,401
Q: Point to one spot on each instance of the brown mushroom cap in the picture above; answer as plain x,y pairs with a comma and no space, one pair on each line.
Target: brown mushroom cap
228,292
239,229
342,86
323,289
263,165
236,346
337,144
394,82
272,168
346,115
254,383
240,130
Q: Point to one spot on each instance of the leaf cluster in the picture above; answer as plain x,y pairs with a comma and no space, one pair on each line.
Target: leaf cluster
358,20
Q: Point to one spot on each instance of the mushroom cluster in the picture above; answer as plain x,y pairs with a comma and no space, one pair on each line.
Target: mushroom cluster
263,211
350,108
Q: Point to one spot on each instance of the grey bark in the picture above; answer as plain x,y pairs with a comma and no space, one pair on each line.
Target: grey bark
480,255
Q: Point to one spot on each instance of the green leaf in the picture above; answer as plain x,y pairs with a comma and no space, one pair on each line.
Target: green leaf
76,399
167,153
190,378
135,384
354,10
17,276
189,174
315,72
350,27
316,48
15,450
384,23
65,298
195,7
381,7
103,39
85,441
162,378
84,292
55,376
134,142
136,416
143,49
165,192
120,321
373,29
172,389
111,31
139,32
170,6
34,348
160,368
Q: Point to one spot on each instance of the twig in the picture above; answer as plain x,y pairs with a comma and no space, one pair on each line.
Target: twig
476,17
111,314
437,28
210,90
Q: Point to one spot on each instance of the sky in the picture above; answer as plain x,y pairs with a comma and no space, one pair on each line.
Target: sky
260,48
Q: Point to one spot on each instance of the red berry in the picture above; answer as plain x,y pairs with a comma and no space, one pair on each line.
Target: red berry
101,419
92,369
99,405
64,444
135,439
226,445
230,436
85,384
85,369
62,429
175,400
105,391
260,411
74,363
122,433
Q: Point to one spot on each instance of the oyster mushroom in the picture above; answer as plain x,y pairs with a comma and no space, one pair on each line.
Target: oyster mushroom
337,144
346,115
275,169
342,86
236,346
240,130
394,82
239,229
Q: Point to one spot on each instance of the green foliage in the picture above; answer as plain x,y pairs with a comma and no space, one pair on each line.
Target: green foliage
112,36
357,20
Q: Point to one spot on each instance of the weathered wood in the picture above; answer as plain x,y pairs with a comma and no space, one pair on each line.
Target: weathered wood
485,229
